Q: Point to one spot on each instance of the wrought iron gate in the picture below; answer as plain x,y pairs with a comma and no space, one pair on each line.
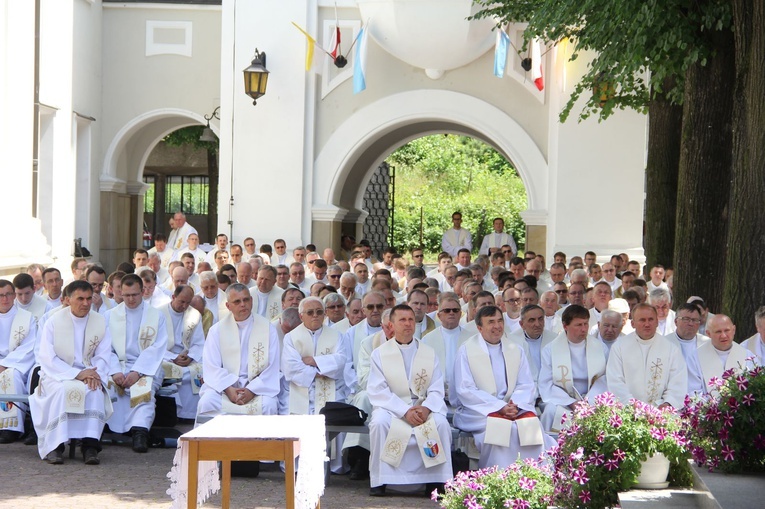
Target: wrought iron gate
377,202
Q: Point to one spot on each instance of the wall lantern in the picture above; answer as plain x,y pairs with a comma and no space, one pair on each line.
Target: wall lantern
256,77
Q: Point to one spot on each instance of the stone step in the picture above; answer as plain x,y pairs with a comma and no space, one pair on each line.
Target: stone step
698,497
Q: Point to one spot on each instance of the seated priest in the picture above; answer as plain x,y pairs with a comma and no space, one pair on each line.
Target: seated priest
18,333
139,338
494,393
183,356
646,365
409,435
573,368
714,357
240,361
71,401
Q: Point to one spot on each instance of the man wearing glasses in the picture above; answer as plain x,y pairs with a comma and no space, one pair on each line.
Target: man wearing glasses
280,257
495,241
249,248
456,237
688,321
512,300
334,272
418,257
372,304
609,276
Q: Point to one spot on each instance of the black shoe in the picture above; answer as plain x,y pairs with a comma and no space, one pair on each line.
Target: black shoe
434,486
360,471
140,439
377,491
90,456
8,436
56,456
31,438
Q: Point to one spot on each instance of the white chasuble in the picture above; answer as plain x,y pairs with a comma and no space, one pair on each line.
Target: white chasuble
189,322
407,388
646,367
562,369
140,392
712,365
63,345
19,332
257,359
324,387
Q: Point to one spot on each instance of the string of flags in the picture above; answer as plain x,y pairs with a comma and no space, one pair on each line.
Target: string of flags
532,63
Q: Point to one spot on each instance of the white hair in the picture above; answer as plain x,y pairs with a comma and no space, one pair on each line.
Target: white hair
208,275
301,306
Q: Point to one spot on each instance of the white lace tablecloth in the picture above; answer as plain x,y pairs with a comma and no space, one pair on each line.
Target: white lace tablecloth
309,486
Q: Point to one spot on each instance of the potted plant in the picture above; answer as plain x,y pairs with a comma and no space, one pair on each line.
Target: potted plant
727,430
525,484
601,451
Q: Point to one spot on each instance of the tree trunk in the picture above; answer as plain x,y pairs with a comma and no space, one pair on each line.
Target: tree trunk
704,176
212,194
745,271
665,121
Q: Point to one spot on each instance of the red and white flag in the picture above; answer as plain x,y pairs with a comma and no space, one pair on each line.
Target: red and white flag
536,64
334,44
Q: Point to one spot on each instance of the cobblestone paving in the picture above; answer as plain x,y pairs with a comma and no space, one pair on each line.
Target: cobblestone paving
126,480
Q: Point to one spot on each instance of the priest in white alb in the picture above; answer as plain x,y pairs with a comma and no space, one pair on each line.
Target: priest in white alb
240,361
183,356
408,432
139,339
647,366
266,296
720,354
494,395
573,368
456,237
756,343
494,241
532,336
71,400
215,298
18,333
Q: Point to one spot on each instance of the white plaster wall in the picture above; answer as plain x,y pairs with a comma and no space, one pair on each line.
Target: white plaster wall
268,155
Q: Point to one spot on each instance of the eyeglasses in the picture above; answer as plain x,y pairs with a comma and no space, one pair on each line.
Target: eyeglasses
282,274
314,312
561,291
418,256
7,295
372,307
689,320
609,270
513,301
336,306
334,276
310,262
576,293
450,310
506,252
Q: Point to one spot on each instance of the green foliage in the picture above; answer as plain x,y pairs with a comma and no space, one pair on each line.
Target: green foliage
640,45
441,174
190,136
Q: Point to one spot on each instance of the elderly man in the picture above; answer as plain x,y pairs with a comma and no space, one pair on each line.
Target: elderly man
354,312
601,297
661,300
456,237
215,298
408,431
647,366
240,361
183,356
609,329
35,270
573,368
714,357
266,296
236,254
756,343
183,231
152,294
155,264
244,274
334,272
139,338
494,395
532,337
494,241
549,303
71,401
18,333
609,276
449,336
297,277
334,304
348,282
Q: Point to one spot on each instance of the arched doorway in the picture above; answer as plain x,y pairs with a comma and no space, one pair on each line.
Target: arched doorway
122,186
355,150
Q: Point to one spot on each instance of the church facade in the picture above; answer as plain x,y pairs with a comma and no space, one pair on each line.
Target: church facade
85,106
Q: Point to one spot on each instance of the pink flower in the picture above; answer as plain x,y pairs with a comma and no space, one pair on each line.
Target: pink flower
615,421
584,496
742,382
733,404
728,453
728,373
611,465
518,503
580,476
471,503
605,399
716,382
597,459
759,442
748,399
728,419
723,434
659,433
527,484
619,455
601,437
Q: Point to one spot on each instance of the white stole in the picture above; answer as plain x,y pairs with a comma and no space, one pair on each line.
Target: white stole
711,363
456,237
19,329
497,240
63,345
647,379
324,387
140,392
561,362
428,441
231,355
190,319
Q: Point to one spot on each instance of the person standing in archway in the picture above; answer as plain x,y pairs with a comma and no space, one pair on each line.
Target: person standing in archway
456,237
493,242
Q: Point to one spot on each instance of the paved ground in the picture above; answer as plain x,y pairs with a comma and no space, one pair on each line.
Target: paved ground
126,480
742,491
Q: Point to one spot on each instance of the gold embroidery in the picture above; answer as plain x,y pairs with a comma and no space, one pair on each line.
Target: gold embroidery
563,380
20,334
421,380
91,350
657,371
146,337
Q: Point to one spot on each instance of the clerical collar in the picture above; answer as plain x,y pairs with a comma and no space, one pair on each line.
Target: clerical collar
580,345
683,339
79,318
723,352
645,341
243,323
213,299
530,338
404,344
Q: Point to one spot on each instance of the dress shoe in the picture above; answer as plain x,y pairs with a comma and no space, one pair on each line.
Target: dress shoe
434,486
8,436
56,456
140,439
31,438
90,456
360,471
377,491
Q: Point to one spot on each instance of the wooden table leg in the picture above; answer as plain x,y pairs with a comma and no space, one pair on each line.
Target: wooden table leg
226,484
191,497
289,472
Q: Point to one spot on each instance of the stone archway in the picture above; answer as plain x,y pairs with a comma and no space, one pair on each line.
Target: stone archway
350,157
121,181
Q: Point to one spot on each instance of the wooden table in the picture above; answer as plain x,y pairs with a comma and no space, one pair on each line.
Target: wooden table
205,443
